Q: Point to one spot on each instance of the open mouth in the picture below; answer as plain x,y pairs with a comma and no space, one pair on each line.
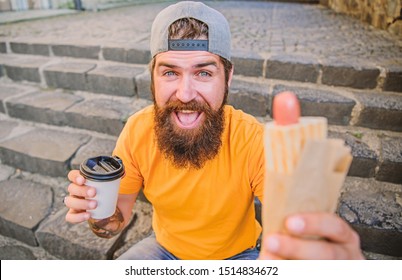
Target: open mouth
187,119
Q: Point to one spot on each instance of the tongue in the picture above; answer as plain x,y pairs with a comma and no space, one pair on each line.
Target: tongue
187,118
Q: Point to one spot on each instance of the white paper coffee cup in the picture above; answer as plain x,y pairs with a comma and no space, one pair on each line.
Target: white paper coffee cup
104,173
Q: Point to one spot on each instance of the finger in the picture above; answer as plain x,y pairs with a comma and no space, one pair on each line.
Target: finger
79,204
75,177
324,225
289,247
81,190
75,217
266,255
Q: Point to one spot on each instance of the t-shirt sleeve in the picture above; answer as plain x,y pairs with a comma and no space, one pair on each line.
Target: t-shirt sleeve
257,165
125,146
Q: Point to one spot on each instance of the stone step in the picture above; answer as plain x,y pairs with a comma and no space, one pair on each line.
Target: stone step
73,74
376,154
96,112
32,213
374,209
48,150
383,76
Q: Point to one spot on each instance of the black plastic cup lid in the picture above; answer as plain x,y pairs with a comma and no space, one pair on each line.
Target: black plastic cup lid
102,168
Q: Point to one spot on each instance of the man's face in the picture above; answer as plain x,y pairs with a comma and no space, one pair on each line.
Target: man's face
189,90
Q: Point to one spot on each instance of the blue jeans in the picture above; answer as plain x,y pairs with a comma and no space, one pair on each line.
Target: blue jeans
150,249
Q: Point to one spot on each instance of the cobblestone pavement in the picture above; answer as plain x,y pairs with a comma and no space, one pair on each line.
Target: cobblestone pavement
258,27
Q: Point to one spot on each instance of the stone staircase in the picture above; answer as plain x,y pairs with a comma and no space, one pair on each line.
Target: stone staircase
61,103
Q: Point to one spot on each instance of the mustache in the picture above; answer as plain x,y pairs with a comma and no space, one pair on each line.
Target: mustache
177,105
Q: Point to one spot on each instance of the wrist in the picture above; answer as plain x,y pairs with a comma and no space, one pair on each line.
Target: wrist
108,227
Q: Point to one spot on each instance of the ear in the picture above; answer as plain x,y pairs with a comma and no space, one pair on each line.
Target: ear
230,76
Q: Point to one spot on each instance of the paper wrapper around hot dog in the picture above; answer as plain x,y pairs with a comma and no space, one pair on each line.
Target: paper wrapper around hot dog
304,170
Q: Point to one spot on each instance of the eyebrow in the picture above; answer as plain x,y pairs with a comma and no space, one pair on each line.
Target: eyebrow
199,65
205,64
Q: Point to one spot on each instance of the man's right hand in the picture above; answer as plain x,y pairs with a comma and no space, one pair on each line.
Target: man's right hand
79,199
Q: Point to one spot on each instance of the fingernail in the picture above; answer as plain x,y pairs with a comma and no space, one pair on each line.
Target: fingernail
91,192
92,204
296,224
273,244
80,180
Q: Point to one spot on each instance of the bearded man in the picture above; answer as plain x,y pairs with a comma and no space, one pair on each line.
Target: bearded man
199,161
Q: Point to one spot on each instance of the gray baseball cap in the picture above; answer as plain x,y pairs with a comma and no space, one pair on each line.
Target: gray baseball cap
219,41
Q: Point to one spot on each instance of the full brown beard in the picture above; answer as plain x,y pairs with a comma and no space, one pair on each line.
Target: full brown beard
189,148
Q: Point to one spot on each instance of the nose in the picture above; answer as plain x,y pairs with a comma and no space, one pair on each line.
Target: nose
185,91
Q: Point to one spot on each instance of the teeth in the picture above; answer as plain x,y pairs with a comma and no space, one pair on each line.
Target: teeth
187,117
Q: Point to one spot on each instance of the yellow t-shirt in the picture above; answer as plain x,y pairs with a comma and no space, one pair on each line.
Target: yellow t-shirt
198,214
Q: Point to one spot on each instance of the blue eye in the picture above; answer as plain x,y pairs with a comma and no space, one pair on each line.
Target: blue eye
204,74
169,73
